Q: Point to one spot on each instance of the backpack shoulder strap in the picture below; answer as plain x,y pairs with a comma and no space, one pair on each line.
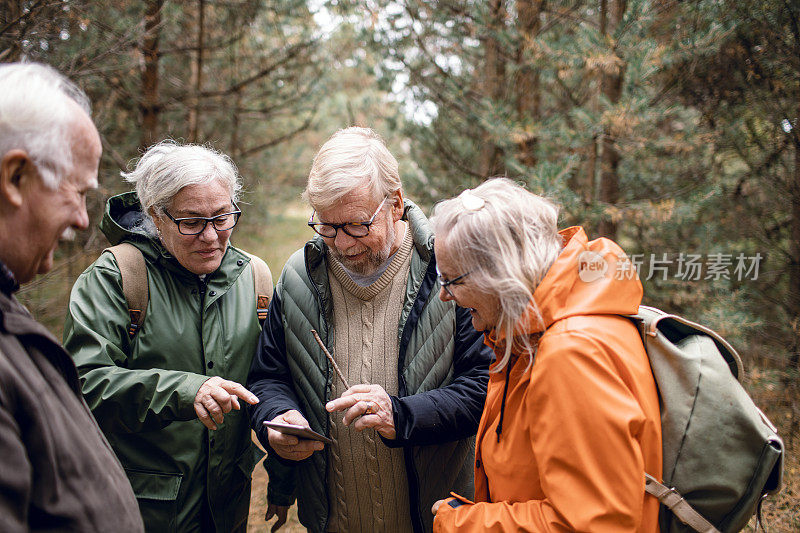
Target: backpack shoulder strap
262,281
133,270
673,500
651,320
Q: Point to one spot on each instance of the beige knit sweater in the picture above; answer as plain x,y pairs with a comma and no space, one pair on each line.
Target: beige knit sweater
367,482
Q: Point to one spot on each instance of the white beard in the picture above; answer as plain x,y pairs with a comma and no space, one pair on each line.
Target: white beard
373,261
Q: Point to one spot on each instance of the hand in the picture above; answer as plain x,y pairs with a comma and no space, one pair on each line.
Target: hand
368,406
278,511
289,446
436,505
217,396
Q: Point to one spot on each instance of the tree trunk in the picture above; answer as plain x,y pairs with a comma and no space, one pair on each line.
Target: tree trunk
10,24
794,250
197,76
528,83
491,156
149,48
587,187
611,87
236,143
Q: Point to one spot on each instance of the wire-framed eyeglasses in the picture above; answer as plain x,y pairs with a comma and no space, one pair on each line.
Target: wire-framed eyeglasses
197,225
354,229
445,283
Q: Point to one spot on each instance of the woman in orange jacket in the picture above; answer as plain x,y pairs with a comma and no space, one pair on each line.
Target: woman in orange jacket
571,422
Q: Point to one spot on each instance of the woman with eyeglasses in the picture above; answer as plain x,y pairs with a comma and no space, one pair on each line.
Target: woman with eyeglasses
571,421
166,389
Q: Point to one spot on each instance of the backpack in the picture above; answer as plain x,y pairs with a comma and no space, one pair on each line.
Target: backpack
135,287
721,455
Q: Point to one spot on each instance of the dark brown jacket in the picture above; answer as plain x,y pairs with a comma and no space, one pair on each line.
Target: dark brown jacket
57,472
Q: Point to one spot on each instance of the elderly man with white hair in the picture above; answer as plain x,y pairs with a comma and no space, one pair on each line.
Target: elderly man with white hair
367,284
57,471
165,387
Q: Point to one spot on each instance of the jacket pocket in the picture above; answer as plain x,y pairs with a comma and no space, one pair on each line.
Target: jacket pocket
234,501
157,495
249,459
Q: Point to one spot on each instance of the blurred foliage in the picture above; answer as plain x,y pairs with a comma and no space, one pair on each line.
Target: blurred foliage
669,126
694,151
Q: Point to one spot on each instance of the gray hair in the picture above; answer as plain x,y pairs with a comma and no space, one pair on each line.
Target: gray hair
167,167
352,158
36,115
507,239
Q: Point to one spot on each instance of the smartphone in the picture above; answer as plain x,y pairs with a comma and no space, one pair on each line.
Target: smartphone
301,432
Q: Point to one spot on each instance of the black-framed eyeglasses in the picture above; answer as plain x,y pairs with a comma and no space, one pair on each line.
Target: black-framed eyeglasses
445,283
197,225
354,229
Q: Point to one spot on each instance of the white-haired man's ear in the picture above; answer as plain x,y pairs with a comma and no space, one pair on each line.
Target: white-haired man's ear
15,168
397,204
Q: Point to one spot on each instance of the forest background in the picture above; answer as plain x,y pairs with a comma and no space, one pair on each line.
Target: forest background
669,126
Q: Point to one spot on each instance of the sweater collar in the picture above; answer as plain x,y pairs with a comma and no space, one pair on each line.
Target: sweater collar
368,292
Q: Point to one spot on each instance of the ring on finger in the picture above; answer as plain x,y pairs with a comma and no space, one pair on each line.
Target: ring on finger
370,410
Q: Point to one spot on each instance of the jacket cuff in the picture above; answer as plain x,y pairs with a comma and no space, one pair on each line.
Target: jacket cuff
445,515
398,441
444,520
282,485
187,392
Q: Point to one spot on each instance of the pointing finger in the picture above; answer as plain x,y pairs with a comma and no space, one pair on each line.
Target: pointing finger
239,390
355,389
340,404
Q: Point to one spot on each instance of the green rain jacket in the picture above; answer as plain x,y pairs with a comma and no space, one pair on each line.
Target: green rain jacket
142,391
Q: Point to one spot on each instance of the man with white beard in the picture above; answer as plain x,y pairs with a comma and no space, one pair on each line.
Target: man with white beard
368,284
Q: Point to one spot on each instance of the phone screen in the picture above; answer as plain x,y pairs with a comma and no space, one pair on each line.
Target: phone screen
301,432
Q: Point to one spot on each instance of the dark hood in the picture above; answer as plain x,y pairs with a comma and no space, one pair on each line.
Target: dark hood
122,223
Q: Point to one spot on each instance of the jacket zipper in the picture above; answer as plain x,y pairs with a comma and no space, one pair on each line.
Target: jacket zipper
411,470
203,286
327,380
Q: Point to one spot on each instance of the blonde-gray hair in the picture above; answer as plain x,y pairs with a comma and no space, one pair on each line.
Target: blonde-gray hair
167,167
507,239
351,159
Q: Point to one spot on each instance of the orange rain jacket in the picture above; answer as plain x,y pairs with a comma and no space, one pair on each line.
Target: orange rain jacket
581,426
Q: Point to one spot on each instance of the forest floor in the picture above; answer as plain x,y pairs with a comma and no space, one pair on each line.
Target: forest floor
274,238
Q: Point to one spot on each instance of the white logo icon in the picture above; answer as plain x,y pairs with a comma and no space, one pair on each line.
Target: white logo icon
591,266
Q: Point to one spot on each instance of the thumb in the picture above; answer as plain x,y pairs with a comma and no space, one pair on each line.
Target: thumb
294,417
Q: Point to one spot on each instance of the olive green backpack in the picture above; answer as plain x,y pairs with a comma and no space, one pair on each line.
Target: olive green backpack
135,287
721,455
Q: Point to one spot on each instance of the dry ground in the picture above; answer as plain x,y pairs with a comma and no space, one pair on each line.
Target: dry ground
258,506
